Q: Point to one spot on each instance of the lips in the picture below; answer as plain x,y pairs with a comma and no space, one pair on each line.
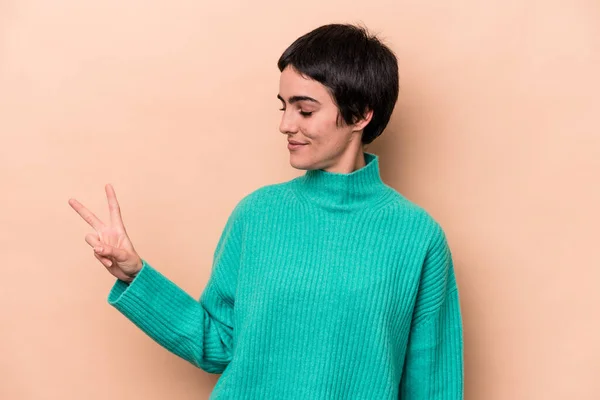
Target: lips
294,142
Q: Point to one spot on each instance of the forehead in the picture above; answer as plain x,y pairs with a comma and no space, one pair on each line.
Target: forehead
292,83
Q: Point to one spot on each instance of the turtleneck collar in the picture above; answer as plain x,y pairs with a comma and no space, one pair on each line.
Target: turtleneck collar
344,191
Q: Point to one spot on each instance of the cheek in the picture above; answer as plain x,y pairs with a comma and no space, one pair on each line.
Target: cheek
321,128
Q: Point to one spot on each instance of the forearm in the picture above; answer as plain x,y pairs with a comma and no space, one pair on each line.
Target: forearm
172,318
433,367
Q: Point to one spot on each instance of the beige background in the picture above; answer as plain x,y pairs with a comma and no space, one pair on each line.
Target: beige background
496,134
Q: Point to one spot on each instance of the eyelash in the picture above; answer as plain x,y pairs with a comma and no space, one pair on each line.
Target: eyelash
303,113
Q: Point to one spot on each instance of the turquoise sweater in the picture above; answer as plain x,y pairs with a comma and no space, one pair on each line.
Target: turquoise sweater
327,286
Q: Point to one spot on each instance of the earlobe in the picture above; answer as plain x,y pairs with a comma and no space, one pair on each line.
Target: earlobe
362,123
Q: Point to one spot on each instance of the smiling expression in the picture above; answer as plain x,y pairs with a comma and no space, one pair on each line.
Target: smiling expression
310,116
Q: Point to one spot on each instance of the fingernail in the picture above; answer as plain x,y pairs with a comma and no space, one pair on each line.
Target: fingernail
98,249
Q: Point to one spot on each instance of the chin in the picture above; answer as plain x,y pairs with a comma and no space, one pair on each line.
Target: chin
300,166
299,163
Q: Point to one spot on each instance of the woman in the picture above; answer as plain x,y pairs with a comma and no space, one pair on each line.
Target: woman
329,286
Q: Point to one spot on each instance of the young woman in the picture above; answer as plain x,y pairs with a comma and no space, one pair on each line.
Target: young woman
329,286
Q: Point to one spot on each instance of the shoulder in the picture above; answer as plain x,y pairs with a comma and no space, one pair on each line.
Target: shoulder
409,212
259,199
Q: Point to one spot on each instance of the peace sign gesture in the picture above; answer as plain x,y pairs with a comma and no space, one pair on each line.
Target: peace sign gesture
111,244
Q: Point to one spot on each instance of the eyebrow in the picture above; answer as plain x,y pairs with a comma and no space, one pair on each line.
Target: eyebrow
295,99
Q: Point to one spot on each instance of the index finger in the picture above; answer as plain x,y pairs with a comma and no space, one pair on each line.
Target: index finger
86,214
113,207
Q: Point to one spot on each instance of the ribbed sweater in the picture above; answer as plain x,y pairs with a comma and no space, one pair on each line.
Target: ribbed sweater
326,286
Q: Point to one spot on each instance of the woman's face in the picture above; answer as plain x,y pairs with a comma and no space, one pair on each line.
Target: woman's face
309,117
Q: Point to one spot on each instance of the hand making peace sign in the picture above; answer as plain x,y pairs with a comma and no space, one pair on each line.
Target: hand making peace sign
111,244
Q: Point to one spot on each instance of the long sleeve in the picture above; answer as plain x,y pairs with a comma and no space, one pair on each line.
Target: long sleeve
433,367
199,331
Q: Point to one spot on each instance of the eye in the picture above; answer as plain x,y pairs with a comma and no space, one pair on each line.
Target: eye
305,114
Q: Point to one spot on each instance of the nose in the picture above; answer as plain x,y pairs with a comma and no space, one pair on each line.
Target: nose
288,123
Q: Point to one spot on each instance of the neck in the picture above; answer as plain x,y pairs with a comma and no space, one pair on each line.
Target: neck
356,190
350,161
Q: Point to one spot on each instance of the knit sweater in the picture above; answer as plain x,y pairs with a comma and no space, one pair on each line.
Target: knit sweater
327,286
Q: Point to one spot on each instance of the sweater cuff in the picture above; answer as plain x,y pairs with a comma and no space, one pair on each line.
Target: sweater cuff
121,289
145,297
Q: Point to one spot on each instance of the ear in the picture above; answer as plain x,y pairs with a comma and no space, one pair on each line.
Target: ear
360,124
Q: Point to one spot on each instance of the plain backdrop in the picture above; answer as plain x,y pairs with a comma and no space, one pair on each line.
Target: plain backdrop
495,134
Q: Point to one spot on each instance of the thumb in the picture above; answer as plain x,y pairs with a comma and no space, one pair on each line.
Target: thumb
110,251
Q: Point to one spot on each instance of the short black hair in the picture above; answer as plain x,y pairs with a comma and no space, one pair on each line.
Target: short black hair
358,69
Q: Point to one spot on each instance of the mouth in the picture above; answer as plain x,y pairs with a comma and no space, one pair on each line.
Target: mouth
292,145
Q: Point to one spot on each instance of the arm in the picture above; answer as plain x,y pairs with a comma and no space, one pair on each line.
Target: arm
433,367
199,331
